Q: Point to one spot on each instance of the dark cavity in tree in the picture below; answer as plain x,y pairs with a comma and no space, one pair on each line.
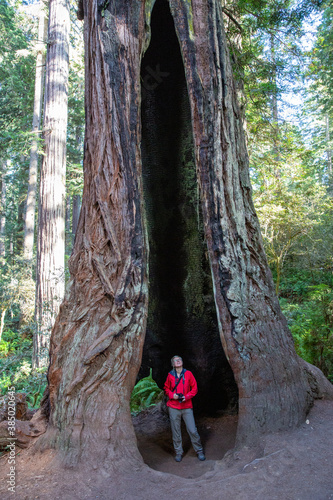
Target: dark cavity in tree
182,317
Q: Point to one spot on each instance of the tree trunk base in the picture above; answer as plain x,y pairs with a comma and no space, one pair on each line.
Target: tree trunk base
320,387
119,453
281,410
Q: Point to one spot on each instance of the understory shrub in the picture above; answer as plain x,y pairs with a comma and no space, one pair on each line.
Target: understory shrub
16,369
145,394
311,324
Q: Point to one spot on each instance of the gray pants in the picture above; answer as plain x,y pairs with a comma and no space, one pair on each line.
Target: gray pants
175,420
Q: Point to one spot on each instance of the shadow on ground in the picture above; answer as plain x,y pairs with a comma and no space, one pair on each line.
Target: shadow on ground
155,442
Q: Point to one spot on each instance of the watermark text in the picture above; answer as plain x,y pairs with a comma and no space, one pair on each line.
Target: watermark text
11,411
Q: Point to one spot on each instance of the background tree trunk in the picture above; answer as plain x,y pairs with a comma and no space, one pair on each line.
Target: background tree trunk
2,319
29,223
329,153
98,337
76,207
50,280
68,238
274,104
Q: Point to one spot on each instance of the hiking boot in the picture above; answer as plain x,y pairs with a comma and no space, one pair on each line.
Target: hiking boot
201,456
178,458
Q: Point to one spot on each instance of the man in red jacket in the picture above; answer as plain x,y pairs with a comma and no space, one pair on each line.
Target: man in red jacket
180,387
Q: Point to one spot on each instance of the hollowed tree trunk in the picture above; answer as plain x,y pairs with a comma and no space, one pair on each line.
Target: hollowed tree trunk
97,341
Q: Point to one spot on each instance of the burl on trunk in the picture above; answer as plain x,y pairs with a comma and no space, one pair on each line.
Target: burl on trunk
97,341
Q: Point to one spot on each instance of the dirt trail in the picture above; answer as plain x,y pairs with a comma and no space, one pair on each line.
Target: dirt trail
295,465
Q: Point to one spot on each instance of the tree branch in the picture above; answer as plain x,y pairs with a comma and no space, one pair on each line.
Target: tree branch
228,13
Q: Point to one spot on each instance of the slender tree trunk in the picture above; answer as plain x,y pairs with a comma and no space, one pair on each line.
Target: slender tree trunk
97,340
278,275
29,222
2,320
275,116
50,280
76,207
76,203
68,238
2,216
274,82
20,228
329,152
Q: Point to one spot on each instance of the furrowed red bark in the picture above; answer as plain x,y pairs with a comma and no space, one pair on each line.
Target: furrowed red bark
273,383
97,341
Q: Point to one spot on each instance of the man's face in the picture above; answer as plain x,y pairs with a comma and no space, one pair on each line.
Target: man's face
177,362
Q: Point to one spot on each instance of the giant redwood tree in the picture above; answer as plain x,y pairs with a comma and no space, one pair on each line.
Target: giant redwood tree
165,147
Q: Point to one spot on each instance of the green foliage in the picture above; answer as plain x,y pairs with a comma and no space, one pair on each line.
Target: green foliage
76,123
16,369
17,291
13,342
318,112
292,205
311,324
290,174
145,394
296,282
16,111
17,83
266,51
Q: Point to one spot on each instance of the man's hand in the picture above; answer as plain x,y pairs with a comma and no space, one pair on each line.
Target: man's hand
175,396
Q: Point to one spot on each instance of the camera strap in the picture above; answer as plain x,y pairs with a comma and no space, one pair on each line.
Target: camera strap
182,376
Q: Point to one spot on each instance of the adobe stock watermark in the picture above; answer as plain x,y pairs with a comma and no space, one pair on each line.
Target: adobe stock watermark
152,79
11,412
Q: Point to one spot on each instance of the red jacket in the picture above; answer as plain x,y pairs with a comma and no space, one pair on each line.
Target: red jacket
187,386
